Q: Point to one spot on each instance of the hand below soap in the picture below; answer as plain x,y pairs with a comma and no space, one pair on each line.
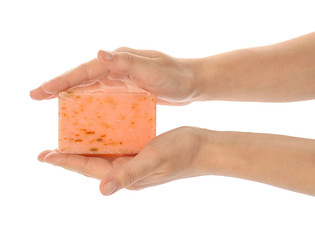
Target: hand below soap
106,123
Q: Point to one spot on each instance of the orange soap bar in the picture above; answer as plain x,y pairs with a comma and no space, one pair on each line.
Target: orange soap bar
106,123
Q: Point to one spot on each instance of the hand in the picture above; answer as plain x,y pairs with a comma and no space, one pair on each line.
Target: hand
172,80
173,155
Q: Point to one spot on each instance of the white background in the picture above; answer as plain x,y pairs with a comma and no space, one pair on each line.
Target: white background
42,39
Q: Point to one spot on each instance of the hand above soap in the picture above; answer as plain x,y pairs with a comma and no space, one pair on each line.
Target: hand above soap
171,79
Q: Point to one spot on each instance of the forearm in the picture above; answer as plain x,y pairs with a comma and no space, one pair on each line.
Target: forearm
282,161
275,73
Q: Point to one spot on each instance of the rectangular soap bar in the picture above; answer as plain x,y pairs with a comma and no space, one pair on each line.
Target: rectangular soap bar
106,123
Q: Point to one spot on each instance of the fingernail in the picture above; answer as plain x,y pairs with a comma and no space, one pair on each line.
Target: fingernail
109,188
49,156
44,86
107,56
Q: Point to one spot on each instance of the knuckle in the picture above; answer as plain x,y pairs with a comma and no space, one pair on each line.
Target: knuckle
85,71
185,129
69,160
124,61
154,157
165,61
66,81
73,163
121,49
129,177
85,166
128,58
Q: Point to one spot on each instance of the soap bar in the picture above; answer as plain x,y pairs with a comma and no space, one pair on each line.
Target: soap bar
106,123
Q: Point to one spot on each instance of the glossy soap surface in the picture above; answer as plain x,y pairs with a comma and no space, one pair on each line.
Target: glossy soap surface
106,123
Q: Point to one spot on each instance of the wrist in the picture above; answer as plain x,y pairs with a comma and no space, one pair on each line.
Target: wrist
224,76
205,82
207,72
221,153
210,156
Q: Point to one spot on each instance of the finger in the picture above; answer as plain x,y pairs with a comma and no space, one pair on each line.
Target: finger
140,52
141,166
42,155
85,72
127,63
90,166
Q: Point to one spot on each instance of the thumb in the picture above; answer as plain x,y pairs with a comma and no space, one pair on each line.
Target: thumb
129,173
125,62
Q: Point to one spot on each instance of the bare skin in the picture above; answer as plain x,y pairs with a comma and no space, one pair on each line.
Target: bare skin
276,73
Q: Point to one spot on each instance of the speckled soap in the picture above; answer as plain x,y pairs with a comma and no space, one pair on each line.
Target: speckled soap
106,123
